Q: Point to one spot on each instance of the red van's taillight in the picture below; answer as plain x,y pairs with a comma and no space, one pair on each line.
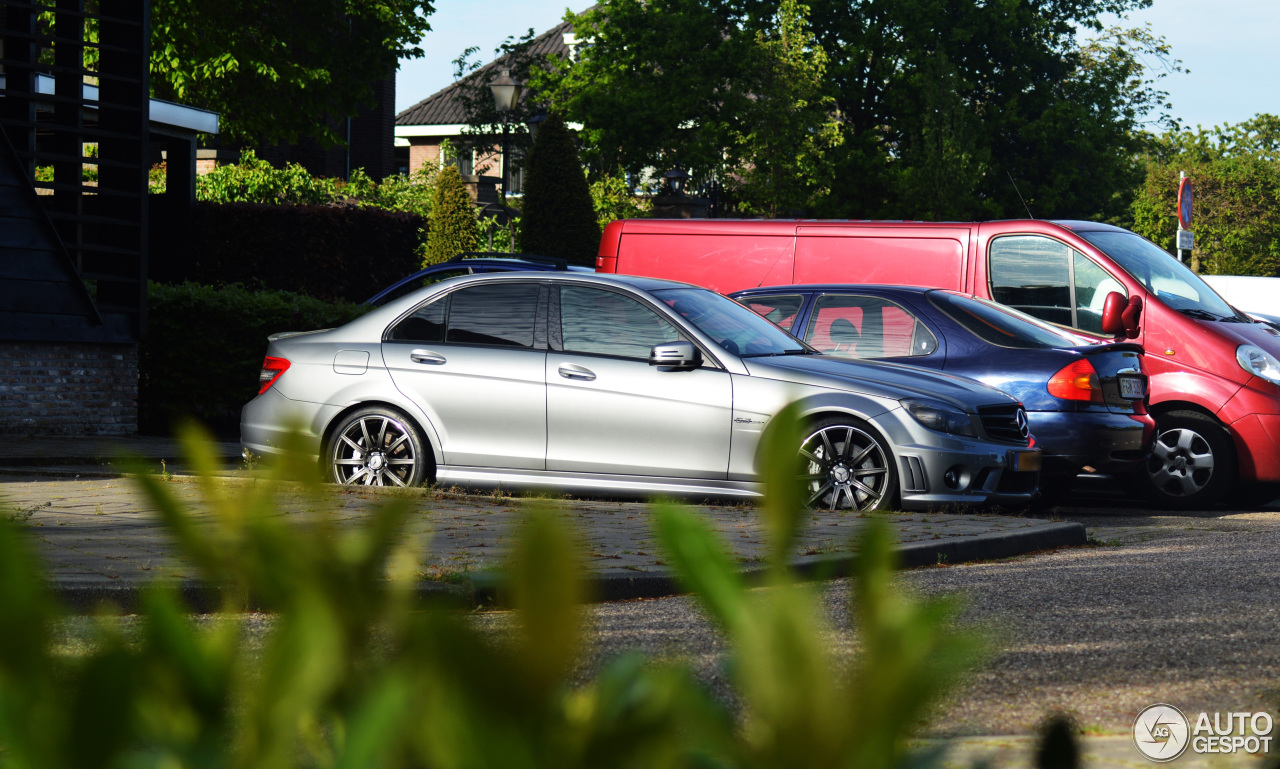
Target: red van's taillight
1077,382
272,368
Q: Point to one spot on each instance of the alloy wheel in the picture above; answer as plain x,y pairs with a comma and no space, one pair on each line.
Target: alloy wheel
374,450
847,469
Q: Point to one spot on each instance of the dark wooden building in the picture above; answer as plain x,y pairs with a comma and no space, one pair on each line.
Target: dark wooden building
75,151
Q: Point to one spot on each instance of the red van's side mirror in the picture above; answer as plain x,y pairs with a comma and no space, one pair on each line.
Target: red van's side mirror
1112,314
1131,315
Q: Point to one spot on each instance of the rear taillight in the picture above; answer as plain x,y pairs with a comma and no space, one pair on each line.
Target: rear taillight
272,368
1077,382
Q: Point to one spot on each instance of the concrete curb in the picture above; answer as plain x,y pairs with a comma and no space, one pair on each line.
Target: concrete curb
484,589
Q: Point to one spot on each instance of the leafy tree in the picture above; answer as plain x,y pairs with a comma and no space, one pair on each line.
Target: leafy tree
654,82
940,103
559,218
453,228
789,124
275,69
1235,170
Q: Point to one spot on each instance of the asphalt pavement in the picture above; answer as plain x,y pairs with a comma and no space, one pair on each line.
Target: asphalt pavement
1170,608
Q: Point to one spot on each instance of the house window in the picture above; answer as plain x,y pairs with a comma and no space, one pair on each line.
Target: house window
515,174
464,158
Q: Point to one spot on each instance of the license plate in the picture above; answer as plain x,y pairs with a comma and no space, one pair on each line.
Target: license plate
1024,461
1132,387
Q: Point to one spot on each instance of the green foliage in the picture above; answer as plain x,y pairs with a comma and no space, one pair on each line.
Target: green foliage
558,218
1237,213
279,70
612,199
453,228
1235,171
353,674
204,347
498,236
790,125
254,180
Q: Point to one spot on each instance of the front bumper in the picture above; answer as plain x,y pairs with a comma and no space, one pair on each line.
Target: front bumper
981,474
1253,417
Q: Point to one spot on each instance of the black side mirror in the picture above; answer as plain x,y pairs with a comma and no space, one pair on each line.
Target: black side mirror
676,355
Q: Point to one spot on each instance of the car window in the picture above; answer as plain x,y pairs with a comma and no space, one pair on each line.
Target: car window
598,322
501,314
859,326
1000,325
426,324
1033,274
1093,284
1170,280
733,327
779,309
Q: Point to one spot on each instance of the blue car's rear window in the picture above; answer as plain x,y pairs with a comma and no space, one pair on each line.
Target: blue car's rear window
999,325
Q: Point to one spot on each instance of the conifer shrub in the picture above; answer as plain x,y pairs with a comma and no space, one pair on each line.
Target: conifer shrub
559,217
452,227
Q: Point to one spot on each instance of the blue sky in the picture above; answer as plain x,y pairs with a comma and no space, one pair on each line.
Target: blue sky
1229,46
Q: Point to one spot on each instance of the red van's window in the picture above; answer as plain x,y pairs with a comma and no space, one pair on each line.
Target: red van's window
856,326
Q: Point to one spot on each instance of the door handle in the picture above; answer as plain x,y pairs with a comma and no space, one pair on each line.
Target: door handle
426,356
570,371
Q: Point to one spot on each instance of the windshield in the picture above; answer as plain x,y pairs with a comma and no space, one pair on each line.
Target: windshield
1171,281
1000,325
735,328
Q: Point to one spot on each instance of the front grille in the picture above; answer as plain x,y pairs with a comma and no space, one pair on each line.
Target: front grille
1002,424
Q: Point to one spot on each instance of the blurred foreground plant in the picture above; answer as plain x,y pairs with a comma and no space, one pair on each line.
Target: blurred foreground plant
355,674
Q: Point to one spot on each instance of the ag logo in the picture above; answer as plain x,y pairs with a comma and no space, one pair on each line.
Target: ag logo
1160,733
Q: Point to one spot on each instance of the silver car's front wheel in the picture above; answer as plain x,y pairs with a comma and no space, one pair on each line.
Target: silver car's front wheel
377,447
847,466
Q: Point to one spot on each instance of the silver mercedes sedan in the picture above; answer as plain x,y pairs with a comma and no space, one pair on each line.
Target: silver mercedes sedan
624,385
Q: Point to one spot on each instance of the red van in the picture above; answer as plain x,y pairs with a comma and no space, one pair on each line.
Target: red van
1214,374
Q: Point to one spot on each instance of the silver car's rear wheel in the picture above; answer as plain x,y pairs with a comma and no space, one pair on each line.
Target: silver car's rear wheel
847,466
377,447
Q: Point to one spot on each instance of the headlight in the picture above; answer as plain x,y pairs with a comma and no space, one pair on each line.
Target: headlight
1258,362
940,417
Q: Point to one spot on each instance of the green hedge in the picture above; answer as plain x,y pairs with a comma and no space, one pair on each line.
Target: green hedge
338,253
204,348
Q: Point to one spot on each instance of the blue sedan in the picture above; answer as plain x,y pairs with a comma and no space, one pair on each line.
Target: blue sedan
1085,400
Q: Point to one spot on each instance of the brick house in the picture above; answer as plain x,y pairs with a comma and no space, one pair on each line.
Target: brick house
420,129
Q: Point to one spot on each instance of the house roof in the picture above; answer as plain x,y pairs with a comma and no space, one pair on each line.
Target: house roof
444,107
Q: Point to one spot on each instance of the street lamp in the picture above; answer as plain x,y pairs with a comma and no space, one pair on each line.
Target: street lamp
506,93
675,179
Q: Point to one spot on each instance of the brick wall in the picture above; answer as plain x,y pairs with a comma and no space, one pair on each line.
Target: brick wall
51,388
